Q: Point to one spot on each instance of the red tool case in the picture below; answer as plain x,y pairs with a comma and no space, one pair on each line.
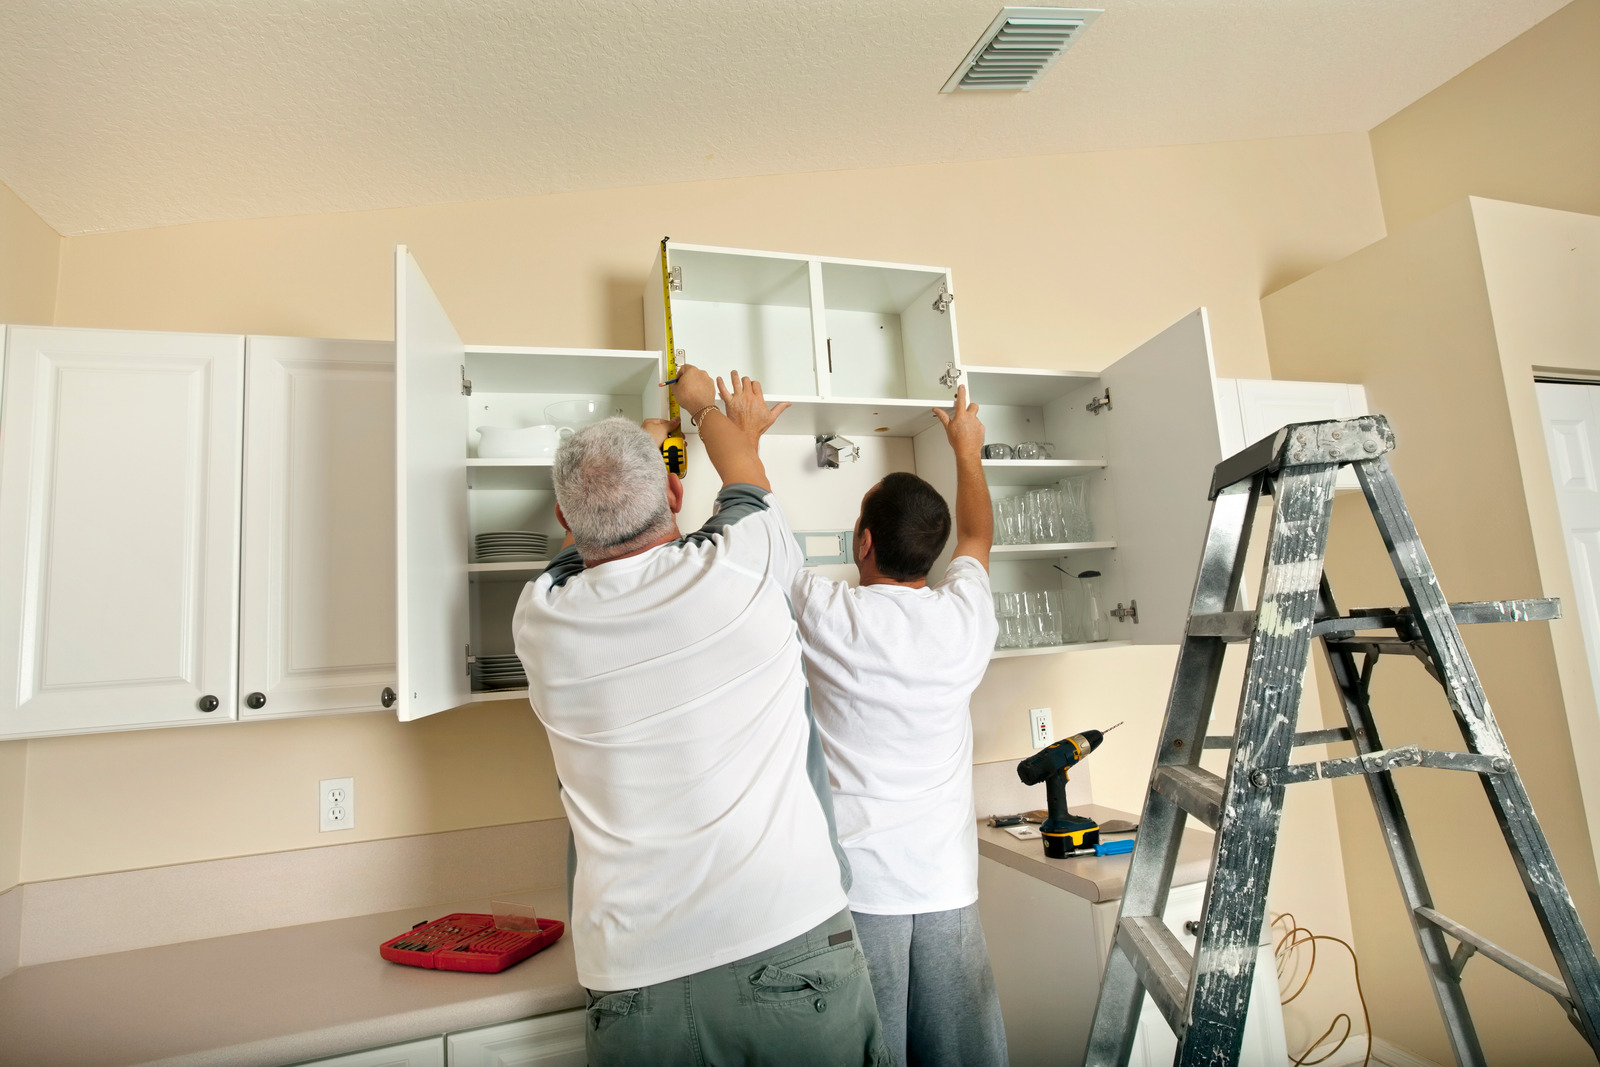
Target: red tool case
466,941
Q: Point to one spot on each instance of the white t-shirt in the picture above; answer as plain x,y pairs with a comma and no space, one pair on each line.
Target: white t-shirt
892,671
671,686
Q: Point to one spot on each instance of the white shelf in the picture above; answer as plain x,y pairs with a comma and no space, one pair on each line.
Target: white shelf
509,473
1050,650
481,695
1013,552
589,371
1035,471
1022,386
504,572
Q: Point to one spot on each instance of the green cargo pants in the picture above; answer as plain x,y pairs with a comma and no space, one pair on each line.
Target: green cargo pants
807,1001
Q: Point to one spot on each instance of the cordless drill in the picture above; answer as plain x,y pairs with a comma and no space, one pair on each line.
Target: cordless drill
1064,833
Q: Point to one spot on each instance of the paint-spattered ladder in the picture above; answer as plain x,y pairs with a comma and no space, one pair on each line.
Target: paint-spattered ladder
1203,996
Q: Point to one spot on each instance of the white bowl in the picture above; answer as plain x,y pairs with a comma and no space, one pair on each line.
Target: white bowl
530,442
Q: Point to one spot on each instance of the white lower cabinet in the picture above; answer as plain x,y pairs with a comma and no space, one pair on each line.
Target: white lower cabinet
1048,946
545,1041
429,1052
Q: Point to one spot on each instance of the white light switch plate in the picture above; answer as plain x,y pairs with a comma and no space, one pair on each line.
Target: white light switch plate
1041,731
336,804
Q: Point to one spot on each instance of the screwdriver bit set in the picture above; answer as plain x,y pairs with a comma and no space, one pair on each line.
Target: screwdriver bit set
466,941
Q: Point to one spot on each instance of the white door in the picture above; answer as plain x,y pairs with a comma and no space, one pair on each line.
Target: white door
546,1041
119,529
1162,446
431,606
317,618
1571,415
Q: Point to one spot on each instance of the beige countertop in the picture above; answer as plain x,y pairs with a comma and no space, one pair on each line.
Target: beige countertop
1094,878
269,997
300,993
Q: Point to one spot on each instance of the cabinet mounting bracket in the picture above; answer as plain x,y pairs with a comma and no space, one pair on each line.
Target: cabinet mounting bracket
466,383
675,279
1099,403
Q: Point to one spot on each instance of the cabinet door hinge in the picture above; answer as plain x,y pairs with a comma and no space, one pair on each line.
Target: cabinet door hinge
466,383
1099,403
471,659
944,299
951,376
675,279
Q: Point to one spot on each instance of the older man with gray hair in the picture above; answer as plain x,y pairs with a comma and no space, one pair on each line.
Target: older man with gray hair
709,915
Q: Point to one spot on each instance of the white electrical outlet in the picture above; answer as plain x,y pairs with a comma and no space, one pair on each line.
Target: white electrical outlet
1040,728
336,801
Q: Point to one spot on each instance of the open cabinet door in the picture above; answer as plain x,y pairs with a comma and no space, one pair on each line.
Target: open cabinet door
431,549
1162,444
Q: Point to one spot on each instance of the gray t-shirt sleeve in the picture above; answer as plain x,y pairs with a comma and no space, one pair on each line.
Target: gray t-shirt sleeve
741,503
564,566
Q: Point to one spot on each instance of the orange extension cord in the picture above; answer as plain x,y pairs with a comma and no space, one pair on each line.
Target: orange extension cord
1285,952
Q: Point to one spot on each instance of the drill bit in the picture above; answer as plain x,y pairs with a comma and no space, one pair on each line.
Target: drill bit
1108,729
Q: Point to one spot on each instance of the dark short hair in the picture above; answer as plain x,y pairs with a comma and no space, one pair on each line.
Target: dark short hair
910,522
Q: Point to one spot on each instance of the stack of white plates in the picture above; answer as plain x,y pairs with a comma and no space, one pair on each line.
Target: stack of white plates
511,546
500,672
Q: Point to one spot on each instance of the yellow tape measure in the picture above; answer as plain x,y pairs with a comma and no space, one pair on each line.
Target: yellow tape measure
674,450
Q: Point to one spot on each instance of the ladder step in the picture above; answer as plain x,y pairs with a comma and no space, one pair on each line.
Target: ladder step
1194,789
1162,963
1228,625
1513,963
1466,613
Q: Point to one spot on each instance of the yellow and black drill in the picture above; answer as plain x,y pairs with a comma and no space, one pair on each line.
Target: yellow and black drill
1064,833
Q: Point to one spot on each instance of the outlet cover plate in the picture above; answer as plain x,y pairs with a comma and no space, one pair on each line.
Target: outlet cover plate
336,804
1041,731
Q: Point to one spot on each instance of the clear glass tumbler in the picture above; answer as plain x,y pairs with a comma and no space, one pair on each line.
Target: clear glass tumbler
1075,509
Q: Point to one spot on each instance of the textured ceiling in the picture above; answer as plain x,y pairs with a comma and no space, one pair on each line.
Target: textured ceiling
118,114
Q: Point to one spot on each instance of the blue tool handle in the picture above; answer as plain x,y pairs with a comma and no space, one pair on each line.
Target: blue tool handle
1113,848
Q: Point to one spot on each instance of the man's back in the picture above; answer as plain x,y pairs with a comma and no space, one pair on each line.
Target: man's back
671,686
892,669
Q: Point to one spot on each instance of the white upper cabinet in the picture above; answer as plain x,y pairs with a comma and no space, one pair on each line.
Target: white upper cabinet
119,529
454,608
858,347
317,603
433,643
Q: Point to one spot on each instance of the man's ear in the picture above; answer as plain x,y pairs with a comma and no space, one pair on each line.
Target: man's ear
562,519
674,492
863,545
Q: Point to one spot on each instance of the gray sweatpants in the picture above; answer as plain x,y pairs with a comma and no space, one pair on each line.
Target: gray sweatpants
935,991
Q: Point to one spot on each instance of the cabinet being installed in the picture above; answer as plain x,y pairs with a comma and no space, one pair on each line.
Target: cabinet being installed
194,528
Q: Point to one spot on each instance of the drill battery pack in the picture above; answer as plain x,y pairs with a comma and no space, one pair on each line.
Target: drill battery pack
1066,835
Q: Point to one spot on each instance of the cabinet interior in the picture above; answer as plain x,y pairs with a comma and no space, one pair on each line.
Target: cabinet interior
750,313
884,337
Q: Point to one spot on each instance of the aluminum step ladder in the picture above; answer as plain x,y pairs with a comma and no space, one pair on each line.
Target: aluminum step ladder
1204,996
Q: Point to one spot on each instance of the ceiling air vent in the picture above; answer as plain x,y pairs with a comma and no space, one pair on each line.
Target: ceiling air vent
1018,47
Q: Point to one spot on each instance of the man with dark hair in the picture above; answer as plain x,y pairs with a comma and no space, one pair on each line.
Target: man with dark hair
892,665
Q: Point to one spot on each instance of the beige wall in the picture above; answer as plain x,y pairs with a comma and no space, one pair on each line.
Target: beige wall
1412,318
29,259
1522,124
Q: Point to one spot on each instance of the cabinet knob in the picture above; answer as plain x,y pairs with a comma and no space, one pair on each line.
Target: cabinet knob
208,703
387,697
1192,927
256,700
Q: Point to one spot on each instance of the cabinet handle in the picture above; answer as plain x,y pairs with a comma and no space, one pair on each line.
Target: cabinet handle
387,697
208,703
256,700
1192,927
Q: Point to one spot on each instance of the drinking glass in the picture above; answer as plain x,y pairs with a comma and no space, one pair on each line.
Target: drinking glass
1034,450
1044,627
997,450
1008,613
1075,509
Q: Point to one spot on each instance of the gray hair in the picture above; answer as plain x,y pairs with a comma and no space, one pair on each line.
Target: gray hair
611,484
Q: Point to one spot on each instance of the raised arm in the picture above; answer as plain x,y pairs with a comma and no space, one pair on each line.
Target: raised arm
974,516
730,439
